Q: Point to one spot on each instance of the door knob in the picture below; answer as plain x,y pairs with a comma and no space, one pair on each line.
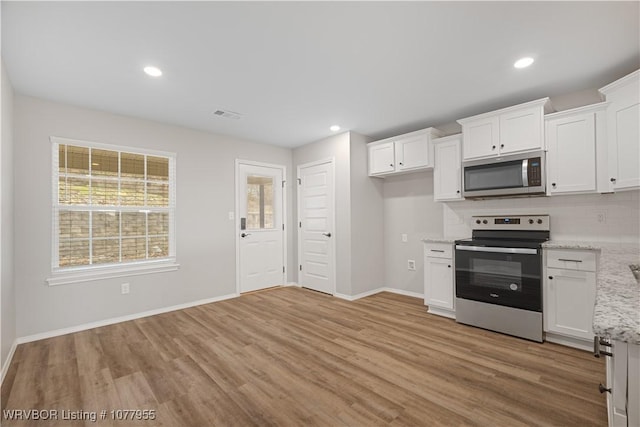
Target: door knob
326,234
245,234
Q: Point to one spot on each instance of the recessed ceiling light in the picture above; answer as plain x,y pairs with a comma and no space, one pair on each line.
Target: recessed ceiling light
153,71
334,128
523,62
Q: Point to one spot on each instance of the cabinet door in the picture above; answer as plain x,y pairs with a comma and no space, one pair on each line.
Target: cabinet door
446,173
619,388
438,285
381,158
481,138
571,159
570,297
412,152
623,137
521,130
633,387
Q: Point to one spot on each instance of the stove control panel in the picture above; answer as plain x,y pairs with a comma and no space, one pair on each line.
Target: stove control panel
510,222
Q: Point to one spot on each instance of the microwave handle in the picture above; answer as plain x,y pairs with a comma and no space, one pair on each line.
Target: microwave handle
525,170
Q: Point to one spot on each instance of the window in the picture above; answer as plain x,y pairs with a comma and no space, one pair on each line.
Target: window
112,206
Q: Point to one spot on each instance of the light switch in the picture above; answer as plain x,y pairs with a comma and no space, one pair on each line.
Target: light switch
404,238
232,216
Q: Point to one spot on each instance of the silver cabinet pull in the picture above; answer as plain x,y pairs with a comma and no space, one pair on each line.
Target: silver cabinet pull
436,250
570,260
603,389
597,342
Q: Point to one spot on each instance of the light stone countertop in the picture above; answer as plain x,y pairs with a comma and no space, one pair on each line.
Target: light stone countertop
431,239
617,309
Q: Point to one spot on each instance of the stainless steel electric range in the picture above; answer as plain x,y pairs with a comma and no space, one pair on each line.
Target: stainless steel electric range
499,274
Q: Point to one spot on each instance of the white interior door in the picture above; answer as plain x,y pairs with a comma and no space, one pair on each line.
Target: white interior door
260,226
316,240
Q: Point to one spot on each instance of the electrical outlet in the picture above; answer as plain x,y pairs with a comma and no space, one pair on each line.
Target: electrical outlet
404,238
602,217
124,288
411,264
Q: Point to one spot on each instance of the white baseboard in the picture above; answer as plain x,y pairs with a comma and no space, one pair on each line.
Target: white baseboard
292,284
578,343
403,292
7,363
106,322
377,291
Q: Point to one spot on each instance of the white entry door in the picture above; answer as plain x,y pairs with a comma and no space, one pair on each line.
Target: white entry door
260,226
316,236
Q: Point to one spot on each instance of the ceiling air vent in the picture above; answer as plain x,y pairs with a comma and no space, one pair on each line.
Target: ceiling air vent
227,114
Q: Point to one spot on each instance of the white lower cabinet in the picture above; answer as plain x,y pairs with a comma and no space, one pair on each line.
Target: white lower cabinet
569,296
439,289
623,384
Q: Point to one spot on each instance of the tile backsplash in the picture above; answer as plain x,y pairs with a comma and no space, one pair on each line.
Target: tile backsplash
592,217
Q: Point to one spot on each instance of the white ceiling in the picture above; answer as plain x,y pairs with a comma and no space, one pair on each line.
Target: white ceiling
292,69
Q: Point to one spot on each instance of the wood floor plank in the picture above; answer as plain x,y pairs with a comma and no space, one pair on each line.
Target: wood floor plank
289,357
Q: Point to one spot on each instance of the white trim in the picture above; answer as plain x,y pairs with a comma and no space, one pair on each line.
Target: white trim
294,284
110,147
441,312
405,293
332,162
7,363
377,291
111,321
96,273
360,295
567,341
283,169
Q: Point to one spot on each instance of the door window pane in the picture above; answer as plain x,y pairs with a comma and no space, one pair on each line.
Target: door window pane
260,202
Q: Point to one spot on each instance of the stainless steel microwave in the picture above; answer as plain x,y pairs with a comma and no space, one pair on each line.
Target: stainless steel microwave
511,175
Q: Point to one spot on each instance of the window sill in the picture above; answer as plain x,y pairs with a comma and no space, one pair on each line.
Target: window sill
78,276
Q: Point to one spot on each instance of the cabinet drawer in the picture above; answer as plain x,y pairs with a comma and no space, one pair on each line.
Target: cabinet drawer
438,250
571,259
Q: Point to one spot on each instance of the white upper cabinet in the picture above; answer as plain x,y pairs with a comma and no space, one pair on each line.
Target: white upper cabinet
623,132
447,176
402,154
572,138
510,130
381,158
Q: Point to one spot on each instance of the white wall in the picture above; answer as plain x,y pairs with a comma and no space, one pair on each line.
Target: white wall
7,289
573,217
408,209
338,148
205,235
367,222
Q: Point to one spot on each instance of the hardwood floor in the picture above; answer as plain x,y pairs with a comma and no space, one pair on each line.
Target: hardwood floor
290,356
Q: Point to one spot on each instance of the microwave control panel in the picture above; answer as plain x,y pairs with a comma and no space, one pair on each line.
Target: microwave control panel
534,172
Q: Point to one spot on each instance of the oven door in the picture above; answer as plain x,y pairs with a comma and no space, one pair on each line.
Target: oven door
509,276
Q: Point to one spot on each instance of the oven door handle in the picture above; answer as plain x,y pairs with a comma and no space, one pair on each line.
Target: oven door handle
526,251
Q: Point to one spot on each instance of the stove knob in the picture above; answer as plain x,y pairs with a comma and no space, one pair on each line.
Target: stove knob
530,221
477,221
539,221
484,221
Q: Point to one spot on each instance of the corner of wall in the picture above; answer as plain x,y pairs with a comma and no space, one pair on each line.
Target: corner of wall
7,284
